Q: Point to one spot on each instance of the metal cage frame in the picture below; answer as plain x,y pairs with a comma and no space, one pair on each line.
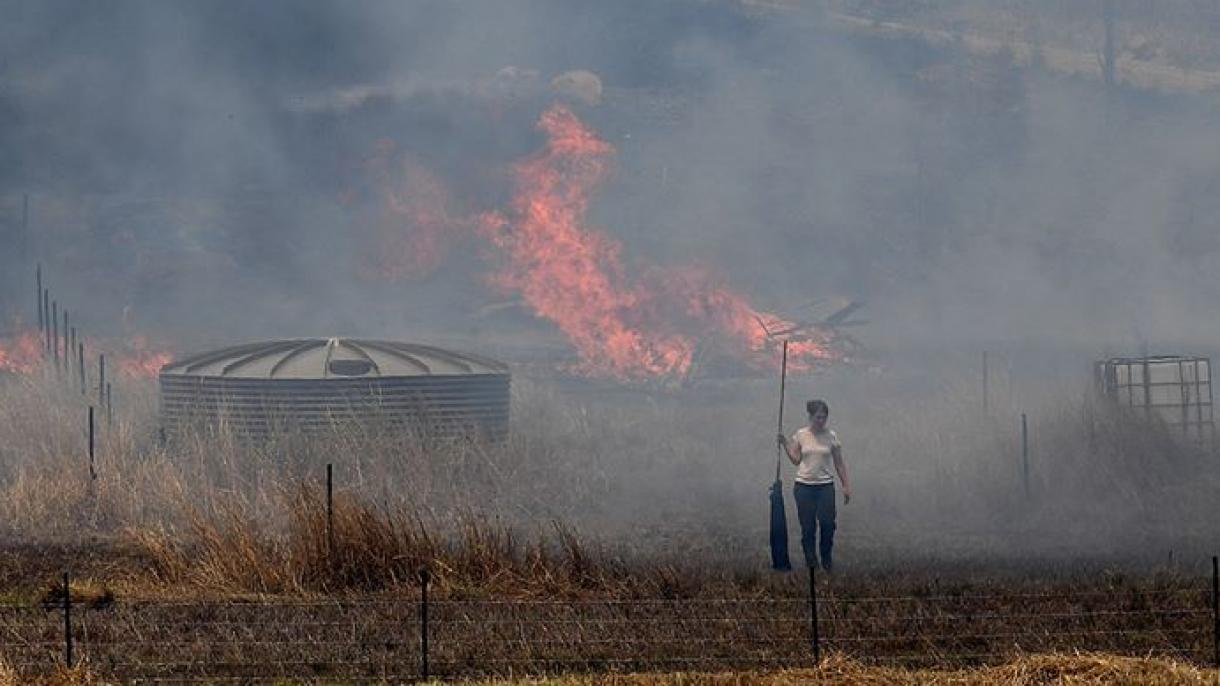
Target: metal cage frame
1149,382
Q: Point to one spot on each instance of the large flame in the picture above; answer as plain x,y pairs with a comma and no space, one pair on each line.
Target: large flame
627,327
21,354
135,357
139,360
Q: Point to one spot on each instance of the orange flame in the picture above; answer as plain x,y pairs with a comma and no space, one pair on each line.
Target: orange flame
21,354
573,275
140,361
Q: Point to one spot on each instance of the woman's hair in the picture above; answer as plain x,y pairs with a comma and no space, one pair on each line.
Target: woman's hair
813,406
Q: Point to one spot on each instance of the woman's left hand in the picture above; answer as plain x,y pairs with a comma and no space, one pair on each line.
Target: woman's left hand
846,496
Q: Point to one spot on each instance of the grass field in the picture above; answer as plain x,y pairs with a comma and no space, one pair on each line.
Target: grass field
615,534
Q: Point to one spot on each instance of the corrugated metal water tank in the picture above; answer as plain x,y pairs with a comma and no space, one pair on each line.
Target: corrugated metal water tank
316,383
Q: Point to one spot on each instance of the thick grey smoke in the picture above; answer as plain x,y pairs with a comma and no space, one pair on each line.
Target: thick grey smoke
180,156
213,172
968,197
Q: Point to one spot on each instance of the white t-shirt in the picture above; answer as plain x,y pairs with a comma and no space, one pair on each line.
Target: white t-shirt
816,456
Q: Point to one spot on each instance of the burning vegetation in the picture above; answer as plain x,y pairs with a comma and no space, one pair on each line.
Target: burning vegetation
625,326
26,352
20,354
649,323
138,359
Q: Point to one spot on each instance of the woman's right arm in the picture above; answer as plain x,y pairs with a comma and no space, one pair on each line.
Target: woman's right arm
791,448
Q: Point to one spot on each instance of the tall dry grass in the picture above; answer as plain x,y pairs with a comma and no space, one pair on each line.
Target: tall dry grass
1043,670
373,549
611,490
79,676
1077,670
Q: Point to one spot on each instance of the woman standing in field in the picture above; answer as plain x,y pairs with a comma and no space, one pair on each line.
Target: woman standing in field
812,449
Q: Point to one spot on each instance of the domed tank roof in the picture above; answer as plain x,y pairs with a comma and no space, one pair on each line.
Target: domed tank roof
331,358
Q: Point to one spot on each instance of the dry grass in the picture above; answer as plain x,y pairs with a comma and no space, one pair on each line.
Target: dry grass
1037,670
84,593
602,499
672,489
374,549
80,676
612,502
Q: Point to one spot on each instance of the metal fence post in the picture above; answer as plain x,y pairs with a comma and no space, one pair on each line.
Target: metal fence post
101,380
80,363
423,623
92,459
1216,611
67,622
46,308
986,374
54,340
38,296
330,513
813,614
1025,453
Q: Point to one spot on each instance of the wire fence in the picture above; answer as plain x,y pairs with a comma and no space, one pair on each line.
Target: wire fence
417,637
